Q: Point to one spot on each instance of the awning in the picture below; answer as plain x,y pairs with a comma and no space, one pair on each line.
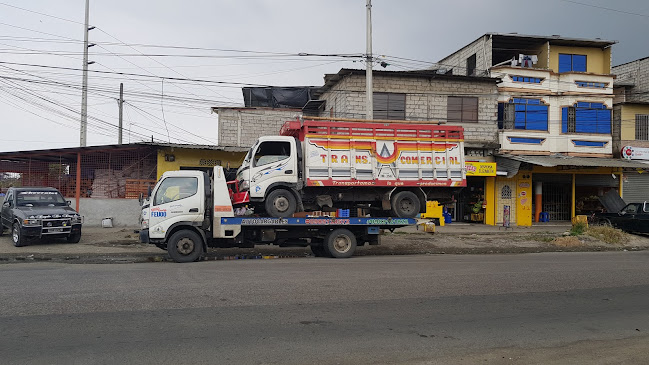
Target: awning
560,160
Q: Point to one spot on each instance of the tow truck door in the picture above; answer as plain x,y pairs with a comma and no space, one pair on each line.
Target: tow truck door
176,198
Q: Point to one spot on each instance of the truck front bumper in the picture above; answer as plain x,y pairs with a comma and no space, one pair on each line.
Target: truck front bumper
144,236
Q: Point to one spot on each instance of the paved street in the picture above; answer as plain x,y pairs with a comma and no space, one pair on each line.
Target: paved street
534,308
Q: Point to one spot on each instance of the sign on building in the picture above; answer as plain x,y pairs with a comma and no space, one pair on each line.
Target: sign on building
635,153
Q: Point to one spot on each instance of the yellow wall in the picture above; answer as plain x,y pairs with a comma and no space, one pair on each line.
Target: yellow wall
196,158
598,61
542,54
490,197
628,120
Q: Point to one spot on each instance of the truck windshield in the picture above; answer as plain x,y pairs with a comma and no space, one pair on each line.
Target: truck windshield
39,198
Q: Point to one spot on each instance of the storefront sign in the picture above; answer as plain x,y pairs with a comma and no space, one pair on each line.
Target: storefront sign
634,153
480,168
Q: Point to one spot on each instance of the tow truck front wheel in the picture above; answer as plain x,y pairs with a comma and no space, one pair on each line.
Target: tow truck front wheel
185,246
340,243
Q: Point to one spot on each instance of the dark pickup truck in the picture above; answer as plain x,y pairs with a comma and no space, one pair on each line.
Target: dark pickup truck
31,213
633,217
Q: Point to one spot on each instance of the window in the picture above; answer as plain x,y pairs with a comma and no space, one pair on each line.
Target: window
527,114
470,65
269,152
586,118
462,109
596,85
531,80
39,198
506,192
572,62
390,106
642,127
175,188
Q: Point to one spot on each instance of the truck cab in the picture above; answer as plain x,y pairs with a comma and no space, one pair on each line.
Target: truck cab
271,169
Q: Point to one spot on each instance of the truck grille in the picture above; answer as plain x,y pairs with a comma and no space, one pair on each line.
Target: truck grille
56,226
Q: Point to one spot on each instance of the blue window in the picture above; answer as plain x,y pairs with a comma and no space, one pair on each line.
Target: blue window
533,80
572,62
597,85
530,114
586,118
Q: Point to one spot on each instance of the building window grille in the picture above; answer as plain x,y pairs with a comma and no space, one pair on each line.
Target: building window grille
525,114
506,192
642,127
584,117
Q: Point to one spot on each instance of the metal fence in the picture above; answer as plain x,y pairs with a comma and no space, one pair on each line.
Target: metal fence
102,173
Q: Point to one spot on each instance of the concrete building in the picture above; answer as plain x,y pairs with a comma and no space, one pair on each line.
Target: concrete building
631,124
555,101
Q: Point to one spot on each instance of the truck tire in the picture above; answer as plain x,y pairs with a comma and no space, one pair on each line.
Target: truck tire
17,235
405,204
280,203
340,243
74,237
185,246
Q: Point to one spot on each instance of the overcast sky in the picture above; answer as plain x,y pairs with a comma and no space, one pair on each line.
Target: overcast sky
40,106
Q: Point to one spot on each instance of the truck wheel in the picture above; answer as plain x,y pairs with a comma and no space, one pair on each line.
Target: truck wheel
340,243
74,237
17,236
185,246
405,204
280,203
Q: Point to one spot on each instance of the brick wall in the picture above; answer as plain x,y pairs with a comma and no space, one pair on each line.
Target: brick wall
241,127
636,72
426,99
457,61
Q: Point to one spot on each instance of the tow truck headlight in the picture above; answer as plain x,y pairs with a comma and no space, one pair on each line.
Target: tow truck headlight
245,185
145,224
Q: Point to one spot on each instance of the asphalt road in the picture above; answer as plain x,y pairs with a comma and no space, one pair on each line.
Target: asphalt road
552,308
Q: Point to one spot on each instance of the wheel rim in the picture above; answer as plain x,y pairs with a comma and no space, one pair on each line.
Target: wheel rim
15,234
281,203
406,205
342,243
185,246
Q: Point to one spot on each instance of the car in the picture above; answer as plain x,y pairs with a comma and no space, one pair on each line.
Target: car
39,212
634,217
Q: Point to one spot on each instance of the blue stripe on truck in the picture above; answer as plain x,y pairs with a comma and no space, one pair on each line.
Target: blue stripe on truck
266,221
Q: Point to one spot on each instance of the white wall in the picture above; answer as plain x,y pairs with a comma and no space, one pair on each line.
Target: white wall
125,212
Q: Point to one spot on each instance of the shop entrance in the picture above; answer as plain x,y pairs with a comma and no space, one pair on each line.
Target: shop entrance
588,189
471,200
556,195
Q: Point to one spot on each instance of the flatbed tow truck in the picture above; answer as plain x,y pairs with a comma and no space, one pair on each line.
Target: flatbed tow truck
189,211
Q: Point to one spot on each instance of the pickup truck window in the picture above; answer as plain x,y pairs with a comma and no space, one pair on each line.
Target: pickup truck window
269,152
39,199
175,188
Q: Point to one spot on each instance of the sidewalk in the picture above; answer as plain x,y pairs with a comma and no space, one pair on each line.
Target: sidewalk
116,245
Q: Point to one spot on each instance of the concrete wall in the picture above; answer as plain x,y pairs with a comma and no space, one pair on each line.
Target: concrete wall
185,157
242,126
426,99
598,60
457,61
125,212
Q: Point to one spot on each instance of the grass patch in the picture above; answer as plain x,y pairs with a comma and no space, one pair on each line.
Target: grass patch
567,241
578,229
607,234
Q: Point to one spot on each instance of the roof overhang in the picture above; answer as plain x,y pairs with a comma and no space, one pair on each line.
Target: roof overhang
560,160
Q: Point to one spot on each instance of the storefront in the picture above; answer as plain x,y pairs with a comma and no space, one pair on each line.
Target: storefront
473,200
551,188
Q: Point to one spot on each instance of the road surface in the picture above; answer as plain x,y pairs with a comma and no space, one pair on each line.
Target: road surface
547,308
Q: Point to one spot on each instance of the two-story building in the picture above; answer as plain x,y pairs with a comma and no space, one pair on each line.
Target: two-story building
631,125
555,101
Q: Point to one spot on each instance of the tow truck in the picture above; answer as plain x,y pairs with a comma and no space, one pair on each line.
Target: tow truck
189,211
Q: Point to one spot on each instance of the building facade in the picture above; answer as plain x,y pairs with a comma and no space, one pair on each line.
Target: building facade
555,121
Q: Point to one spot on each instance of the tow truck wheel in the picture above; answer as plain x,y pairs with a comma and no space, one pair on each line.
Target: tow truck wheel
340,243
185,246
405,204
17,236
280,203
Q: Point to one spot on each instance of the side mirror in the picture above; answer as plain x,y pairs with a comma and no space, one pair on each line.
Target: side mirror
5,204
68,202
140,198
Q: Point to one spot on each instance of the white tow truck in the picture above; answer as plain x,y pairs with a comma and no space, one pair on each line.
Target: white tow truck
189,211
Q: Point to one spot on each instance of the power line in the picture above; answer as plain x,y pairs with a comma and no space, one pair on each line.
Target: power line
605,8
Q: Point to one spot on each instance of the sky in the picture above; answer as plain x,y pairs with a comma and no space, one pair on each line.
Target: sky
177,59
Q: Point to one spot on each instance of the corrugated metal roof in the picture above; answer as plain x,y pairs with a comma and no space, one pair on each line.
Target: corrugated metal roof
556,160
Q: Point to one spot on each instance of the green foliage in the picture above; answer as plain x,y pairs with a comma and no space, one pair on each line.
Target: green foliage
578,229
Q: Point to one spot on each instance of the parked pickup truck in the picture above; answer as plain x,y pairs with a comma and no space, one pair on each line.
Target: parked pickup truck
634,217
38,213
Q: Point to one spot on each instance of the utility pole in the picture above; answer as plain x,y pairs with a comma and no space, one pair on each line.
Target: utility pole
368,65
121,109
84,87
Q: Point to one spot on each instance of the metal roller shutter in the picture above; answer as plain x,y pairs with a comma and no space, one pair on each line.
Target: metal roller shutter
604,180
635,188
